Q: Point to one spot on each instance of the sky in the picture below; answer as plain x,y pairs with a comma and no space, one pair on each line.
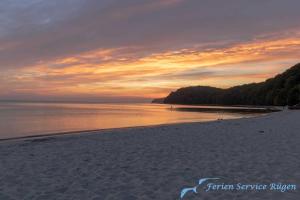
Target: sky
136,50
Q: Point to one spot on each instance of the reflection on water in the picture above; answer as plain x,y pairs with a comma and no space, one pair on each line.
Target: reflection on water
24,119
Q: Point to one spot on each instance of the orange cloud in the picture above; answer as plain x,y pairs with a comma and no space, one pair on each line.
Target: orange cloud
115,72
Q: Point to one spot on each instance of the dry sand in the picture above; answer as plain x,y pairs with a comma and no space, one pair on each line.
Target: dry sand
156,162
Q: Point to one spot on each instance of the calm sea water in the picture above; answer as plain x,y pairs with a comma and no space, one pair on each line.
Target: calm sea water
26,119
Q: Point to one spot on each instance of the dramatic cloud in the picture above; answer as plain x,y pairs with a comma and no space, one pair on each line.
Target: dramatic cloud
141,48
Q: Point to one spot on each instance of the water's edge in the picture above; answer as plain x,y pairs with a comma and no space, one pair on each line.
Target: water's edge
98,131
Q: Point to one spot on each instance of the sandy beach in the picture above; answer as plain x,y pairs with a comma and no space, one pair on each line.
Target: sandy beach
156,162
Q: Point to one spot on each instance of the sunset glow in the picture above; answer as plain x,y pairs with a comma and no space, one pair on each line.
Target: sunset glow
140,70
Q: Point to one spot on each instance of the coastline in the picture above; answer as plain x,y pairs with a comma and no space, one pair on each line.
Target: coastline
155,162
200,113
263,112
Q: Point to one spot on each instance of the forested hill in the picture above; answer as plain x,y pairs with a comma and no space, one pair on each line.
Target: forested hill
283,89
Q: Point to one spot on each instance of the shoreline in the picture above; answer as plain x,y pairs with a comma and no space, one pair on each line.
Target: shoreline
156,162
95,131
181,108
223,105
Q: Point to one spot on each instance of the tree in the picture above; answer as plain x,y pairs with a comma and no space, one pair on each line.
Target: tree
294,96
281,90
281,98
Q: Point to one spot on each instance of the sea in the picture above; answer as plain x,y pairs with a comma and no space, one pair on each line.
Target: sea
23,119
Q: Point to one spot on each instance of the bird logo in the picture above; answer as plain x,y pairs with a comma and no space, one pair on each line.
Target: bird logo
184,191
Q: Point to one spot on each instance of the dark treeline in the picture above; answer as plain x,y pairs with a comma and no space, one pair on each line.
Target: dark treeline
284,89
